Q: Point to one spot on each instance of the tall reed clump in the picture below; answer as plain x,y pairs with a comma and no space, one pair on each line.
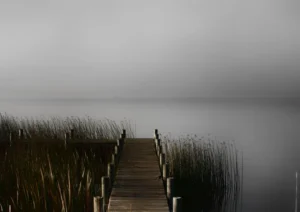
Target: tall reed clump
55,127
40,175
43,177
207,173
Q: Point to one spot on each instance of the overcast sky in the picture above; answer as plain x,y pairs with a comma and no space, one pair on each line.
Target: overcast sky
151,48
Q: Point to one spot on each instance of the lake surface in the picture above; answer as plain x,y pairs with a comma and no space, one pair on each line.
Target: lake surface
266,130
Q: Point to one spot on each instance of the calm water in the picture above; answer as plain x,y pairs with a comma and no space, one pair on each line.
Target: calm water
267,131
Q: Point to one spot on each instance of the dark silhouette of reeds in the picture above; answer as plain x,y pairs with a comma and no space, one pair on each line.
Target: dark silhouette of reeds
206,172
42,174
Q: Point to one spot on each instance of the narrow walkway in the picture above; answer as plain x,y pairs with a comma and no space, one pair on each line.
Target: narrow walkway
138,186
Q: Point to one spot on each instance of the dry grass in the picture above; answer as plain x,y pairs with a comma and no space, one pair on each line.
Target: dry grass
207,173
46,176
56,127
50,177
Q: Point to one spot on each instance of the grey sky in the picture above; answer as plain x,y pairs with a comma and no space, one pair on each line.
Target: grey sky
149,48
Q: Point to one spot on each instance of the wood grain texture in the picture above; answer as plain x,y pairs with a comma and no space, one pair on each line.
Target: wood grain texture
138,186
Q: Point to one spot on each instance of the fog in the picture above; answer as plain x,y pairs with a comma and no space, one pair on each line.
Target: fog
66,51
97,49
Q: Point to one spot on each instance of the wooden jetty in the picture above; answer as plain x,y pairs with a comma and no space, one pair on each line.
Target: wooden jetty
137,178
138,186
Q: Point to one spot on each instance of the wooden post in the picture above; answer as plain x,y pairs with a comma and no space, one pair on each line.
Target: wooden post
155,133
117,154
158,143
162,159
104,189
98,204
170,189
21,134
122,136
177,204
159,150
165,171
113,159
124,133
110,173
72,134
119,142
122,143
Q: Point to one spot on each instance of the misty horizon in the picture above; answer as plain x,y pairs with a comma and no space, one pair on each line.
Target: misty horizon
98,49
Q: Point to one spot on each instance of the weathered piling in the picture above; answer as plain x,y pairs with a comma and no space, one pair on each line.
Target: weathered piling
119,143
177,204
98,204
159,150
170,188
123,136
110,173
113,159
157,136
116,150
165,171
105,189
162,159
155,133
157,143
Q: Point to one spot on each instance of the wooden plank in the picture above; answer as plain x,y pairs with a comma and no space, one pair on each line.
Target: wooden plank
138,185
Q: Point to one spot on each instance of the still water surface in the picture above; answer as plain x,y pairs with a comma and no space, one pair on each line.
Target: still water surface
267,131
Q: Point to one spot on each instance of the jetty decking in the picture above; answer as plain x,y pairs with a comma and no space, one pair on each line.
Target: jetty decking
138,186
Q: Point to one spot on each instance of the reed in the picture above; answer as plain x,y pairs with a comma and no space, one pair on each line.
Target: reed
206,172
56,127
47,176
